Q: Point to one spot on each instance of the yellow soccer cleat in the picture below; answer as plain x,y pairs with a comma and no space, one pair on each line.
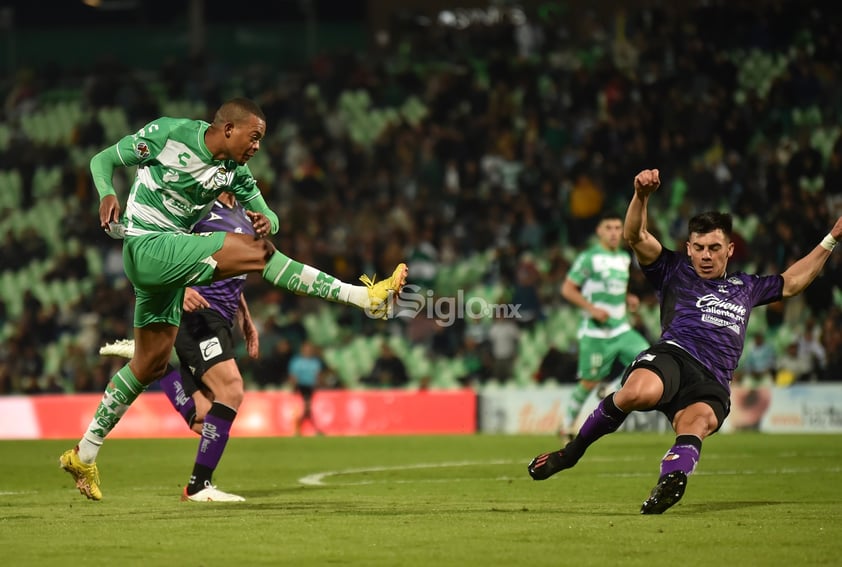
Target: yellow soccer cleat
86,476
382,294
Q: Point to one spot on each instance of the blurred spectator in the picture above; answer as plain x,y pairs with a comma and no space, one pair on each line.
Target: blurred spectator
30,385
6,385
389,370
558,366
477,361
503,336
53,385
759,362
305,368
526,291
811,349
586,203
271,370
793,365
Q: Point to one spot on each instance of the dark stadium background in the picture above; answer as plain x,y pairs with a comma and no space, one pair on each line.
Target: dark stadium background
733,100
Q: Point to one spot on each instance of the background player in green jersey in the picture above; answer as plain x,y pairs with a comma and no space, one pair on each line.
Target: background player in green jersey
183,165
597,283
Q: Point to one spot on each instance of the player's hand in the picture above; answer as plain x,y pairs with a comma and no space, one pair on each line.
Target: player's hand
599,315
261,224
252,340
647,182
203,399
109,211
836,231
632,303
193,300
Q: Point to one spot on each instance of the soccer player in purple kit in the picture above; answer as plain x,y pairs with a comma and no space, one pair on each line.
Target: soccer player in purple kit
704,313
205,348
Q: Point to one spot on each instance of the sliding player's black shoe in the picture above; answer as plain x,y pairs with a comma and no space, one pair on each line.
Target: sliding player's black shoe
547,464
667,492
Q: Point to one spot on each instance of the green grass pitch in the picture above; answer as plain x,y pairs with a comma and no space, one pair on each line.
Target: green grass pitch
428,501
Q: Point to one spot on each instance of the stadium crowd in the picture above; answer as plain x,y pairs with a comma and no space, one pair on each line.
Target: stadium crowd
440,144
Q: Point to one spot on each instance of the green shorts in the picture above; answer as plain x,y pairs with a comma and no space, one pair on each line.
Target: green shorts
597,356
161,265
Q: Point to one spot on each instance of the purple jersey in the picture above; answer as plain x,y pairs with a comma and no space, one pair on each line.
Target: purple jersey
708,318
224,295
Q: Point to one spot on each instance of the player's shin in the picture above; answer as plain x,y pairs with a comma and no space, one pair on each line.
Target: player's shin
179,395
215,432
683,456
605,419
302,279
122,390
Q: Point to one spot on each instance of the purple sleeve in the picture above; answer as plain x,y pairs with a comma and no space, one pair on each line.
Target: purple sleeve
766,289
662,269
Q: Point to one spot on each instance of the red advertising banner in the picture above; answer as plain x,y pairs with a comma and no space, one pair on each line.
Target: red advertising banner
263,414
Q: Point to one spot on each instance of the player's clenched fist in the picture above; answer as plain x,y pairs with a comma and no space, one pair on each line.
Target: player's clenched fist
647,181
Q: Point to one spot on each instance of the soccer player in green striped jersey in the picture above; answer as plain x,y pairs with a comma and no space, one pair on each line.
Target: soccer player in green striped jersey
183,165
597,283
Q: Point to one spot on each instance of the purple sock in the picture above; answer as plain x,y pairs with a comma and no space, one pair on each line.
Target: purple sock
605,419
215,433
682,456
173,387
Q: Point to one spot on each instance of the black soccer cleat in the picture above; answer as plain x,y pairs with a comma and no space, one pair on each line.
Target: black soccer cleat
547,464
667,492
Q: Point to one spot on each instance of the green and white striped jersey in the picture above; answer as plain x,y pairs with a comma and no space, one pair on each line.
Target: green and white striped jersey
603,278
177,179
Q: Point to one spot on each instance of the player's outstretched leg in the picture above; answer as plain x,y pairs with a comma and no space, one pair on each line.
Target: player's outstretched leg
605,419
377,299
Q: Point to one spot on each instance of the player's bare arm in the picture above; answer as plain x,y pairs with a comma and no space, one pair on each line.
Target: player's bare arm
802,273
646,247
573,293
248,328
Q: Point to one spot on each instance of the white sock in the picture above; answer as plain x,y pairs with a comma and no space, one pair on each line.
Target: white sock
89,449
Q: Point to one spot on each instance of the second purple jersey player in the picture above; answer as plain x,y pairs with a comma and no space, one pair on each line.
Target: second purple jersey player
686,375
208,389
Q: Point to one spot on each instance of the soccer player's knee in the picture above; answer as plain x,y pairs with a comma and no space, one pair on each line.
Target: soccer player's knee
712,423
698,419
640,393
149,369
232,392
